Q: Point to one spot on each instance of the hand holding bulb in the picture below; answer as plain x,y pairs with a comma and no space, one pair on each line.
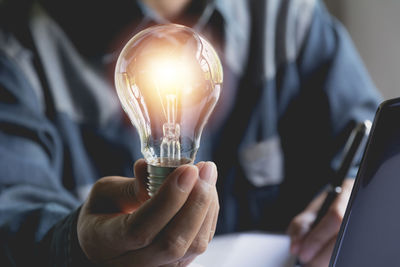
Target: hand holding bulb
120,226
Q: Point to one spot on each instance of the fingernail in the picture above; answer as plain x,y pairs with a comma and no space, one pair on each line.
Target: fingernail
200,165
207,172
187,177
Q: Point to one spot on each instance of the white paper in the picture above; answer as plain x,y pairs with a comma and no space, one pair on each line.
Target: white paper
247,249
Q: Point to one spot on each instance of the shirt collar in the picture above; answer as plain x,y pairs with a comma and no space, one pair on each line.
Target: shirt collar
236,20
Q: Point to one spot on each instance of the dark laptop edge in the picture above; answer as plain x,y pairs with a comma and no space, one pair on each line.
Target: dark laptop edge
384,105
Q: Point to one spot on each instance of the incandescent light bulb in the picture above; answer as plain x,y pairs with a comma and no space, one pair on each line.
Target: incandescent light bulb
168,80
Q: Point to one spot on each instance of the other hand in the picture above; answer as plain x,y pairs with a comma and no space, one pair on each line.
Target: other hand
314,246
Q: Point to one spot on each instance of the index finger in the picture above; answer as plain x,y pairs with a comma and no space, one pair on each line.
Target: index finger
177,237
144,224
324,231
329,225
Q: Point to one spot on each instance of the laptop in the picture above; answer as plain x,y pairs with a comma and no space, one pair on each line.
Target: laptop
370,231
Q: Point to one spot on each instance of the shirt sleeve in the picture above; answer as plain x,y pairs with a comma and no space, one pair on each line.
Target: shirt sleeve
37,222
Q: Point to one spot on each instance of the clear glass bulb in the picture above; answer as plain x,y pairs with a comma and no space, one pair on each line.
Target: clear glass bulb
168,80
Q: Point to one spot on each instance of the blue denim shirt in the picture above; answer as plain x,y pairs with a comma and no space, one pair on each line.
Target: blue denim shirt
294,86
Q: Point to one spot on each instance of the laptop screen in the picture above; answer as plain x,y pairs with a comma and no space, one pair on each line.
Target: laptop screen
370,233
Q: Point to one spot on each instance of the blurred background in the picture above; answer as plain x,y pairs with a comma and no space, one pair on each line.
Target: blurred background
374,26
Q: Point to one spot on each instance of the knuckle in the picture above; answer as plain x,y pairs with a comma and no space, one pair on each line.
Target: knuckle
200,203
201,200
205,188
104,181
139,239
99,184
302,219
296,225
199,246
305,219
174,247
297,221
102,184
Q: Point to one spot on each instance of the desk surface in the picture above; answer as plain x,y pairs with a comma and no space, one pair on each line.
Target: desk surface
254,249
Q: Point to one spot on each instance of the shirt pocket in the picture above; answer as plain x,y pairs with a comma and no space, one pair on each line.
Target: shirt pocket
262,162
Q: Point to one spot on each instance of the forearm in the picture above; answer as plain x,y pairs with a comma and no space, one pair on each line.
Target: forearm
21,244
60,247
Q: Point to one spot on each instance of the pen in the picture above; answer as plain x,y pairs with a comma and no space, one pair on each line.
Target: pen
355,142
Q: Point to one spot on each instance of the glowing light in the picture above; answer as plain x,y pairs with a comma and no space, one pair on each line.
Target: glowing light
168,79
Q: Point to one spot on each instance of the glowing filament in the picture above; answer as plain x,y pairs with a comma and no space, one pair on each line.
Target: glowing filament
170,145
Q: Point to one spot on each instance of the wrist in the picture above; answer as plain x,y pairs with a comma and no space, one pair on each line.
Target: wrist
64,247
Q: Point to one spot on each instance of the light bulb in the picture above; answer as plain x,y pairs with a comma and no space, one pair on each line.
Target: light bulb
168,79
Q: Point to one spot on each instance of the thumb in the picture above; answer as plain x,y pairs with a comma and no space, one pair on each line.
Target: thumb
116,194
106,235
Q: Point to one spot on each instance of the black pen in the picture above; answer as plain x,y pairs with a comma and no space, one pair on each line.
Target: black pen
357,140
353,145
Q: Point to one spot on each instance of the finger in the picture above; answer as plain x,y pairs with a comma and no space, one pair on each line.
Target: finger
98,227
321,234
155,214
205,230
200,243
114,195
140,169
183,229
137,230
215,208
329,225
323,257
295,229
298,229
301,224
173,242
215,217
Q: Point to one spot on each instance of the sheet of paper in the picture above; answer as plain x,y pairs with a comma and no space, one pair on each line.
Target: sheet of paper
247,249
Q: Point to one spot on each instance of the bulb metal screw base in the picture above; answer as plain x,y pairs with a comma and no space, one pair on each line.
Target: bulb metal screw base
157,175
